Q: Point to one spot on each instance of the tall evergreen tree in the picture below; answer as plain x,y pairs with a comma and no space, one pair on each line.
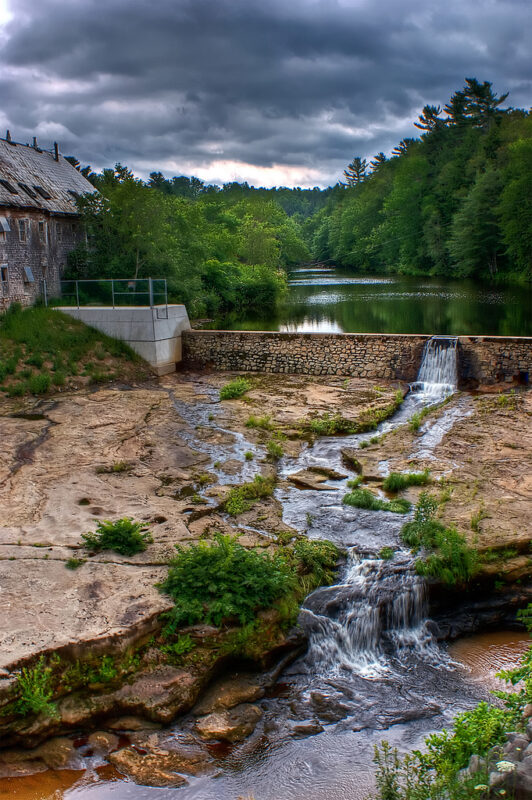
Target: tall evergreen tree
355,172
378,161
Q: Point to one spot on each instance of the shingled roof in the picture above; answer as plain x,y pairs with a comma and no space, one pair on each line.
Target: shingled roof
39,179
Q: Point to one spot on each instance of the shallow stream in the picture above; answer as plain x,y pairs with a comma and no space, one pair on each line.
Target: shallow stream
372,671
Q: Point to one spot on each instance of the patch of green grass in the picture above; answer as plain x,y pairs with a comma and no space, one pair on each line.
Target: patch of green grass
241,498
182,645
123,536
397,481
450,559
35,691
354,483
364,498
416,419
274,450
74,563
248,455
39,383
265,422
59,378
16,389
477,518
386,553
235,388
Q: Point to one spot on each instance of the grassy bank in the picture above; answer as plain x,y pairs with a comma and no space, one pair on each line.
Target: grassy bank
42,351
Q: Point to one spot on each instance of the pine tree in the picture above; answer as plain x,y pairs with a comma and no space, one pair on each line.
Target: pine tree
355,172
378,161
429,119
402,148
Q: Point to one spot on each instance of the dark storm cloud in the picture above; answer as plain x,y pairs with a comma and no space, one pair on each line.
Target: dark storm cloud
195,85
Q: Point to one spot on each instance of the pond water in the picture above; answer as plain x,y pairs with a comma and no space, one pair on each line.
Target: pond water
330,300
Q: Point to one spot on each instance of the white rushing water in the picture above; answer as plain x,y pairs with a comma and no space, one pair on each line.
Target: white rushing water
438,376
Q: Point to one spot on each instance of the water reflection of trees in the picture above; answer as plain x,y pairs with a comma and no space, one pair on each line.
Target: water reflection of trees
406,306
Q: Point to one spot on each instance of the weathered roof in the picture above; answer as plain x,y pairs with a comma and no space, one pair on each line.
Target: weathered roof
48,184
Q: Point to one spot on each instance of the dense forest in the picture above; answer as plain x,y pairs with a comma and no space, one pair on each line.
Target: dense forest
456,201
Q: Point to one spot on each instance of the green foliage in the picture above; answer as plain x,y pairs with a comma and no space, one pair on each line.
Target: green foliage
34,690
354,483
364,498
316,558
213,581
451,560
396,481
331,425
180,647
241,498
386,553
123,536
264,422
455,202
248,455
235,388
74,563
274,450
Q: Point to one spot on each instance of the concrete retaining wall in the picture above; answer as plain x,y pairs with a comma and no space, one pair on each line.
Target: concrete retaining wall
146,330
481,359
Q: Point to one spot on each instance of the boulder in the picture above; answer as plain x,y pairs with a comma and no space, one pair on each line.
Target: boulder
230,726
230,692
152,769
103,742
350,459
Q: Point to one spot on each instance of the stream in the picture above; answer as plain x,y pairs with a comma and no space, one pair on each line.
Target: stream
373,669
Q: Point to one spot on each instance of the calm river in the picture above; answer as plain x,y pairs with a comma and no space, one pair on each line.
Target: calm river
330,300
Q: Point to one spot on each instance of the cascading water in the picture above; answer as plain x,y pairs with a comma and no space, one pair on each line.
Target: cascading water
438,374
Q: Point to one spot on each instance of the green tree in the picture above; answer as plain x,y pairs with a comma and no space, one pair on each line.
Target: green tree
355,172
515,208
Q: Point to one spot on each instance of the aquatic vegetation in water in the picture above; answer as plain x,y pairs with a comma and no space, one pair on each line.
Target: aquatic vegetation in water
364,498
397,481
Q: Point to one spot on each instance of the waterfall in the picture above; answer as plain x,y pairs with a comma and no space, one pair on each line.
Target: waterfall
360,625
438,376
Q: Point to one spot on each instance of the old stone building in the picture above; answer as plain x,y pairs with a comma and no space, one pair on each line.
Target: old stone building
39,221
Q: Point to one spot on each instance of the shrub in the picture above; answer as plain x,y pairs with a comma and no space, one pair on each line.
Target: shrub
316,558
123,536
34,687
40,383
235,388
274,450
363,498
211,581
183,645
16,389
396,481
241,498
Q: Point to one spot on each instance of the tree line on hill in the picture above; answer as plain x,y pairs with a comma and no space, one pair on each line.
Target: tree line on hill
456,202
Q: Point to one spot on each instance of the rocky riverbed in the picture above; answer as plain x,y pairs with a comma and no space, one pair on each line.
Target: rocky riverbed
167,453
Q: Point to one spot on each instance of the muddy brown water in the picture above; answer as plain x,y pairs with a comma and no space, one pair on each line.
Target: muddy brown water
484,655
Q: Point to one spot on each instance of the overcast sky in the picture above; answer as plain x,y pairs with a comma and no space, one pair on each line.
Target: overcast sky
275,92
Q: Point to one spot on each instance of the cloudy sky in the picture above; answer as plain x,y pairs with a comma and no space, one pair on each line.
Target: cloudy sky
276,92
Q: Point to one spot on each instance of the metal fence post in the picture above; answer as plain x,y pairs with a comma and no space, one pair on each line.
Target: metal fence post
150,289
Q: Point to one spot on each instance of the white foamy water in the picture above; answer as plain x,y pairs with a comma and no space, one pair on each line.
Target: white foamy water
438,375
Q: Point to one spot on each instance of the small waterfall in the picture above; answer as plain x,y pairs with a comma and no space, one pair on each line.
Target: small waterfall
361,624
438,376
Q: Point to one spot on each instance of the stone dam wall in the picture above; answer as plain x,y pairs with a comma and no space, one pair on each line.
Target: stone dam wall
481,359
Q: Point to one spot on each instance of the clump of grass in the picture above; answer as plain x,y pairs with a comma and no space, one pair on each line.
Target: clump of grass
248,455
265,422
397,481
242,498
386,553
416,419
114,469
235,388
183,645
35,692
354,483
363,498
363,444
74,563
450,558
331,425
123,536
274,450
39,383
477,518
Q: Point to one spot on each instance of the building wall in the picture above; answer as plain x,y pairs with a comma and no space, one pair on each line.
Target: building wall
45,252
481,359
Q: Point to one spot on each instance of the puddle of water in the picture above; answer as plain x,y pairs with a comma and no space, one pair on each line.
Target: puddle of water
485,654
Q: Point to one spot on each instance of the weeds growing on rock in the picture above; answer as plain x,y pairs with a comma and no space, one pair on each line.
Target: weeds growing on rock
242,498
274,450
114,469
397,481
74,563
264,423
364,498
386,553
123,536
34,689
235,388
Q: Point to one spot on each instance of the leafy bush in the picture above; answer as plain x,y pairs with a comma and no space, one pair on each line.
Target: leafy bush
183,645
235,388
317,558
241,498
364,498
123,536
34,687
452,561
211,581
397,481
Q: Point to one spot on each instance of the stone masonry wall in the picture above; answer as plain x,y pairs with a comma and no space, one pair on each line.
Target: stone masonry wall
481,359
